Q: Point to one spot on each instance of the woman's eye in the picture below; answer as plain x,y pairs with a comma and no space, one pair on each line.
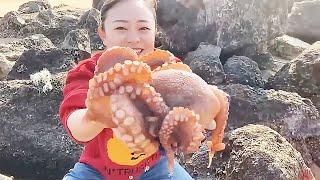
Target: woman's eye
144,28
120,28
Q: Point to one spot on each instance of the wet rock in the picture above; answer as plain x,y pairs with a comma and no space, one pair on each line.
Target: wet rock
243,70
31,136
206,63
288,47
253,23
41,54
77,43
252,152
34,6
303,21
90,21
301,75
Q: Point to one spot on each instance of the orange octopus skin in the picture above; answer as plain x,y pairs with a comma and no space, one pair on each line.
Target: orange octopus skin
157,58
200,104
185,89
122,84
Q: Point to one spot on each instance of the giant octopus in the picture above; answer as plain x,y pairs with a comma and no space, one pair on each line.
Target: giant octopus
155,99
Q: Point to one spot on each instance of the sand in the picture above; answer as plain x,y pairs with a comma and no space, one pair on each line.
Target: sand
13,5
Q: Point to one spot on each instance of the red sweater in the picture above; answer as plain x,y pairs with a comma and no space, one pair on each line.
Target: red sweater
107,154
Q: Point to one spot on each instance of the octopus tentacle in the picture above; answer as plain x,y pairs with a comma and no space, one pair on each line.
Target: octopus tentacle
175,132
130,125
157,58
114,55
152,99
216,144
177,66
129,72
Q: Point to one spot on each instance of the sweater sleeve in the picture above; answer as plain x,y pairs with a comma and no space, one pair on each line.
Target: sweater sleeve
75,91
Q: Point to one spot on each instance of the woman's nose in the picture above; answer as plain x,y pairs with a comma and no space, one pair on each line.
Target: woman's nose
133,37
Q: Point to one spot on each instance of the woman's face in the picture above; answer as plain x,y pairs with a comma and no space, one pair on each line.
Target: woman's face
129,23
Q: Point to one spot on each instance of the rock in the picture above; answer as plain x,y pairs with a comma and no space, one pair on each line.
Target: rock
11,21
90,21
252,152
288,113
288,47
243,70
293,116
5,67
97,4
31,135
53,23
265,61
206,63
291,2
77,42
301,75
253,23
34,6
12,50
41,54
303,21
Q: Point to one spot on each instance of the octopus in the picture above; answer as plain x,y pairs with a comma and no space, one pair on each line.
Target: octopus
155,100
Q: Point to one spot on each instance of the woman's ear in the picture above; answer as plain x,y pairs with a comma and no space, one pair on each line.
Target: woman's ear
102,34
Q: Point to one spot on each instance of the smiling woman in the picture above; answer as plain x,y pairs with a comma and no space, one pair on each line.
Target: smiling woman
9,5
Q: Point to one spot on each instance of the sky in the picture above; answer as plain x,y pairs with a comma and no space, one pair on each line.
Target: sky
12,5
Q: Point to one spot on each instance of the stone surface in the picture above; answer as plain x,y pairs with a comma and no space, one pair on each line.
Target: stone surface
304,22
54,23
243,70
205,62
301,75
233,25
90,21
40,53
288,47
5,67
252,152
31,136
77,42
293,116
34,6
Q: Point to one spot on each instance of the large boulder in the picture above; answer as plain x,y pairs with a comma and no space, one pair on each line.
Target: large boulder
31,136
34,6
54,23
234,25
293,116
243,70
41,53
205,62
5,67
90,21
287,47
304,22
301,75
77,44
252,152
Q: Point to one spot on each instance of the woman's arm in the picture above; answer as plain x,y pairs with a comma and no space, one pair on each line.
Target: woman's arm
82,127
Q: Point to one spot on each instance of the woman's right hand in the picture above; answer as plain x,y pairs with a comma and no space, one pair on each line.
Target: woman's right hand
98,105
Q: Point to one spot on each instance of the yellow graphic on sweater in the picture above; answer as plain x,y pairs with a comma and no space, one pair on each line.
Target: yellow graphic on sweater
119,153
